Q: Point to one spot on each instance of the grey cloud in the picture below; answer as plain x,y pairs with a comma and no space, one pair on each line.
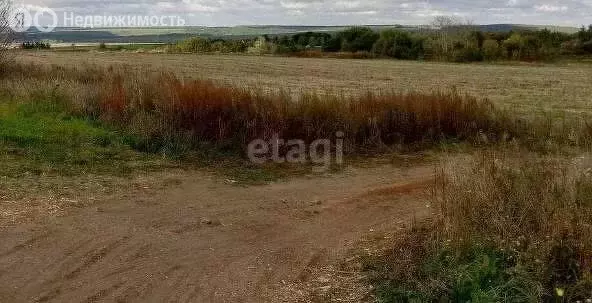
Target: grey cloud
336,12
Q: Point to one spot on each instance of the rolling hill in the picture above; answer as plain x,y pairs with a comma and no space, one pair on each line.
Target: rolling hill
173,34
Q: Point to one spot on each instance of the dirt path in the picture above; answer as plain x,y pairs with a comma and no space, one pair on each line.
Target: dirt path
205,241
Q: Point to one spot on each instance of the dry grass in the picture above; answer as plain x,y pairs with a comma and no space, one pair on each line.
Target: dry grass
163,108
517,198
522,88
511,227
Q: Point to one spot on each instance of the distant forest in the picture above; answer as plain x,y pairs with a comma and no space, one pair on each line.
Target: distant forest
445,40
448,43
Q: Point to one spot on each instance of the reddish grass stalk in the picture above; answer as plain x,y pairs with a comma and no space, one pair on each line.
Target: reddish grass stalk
215,113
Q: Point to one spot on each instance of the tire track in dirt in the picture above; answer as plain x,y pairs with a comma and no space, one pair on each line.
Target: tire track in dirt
206,241
24,245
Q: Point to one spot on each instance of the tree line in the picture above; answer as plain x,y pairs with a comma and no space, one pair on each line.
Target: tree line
457,43
35,45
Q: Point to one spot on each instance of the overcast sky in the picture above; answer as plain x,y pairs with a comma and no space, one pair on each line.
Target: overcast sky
334,12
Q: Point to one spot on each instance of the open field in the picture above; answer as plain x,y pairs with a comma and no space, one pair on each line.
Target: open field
522,88
123,177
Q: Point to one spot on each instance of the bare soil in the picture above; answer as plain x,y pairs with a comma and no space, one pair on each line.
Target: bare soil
202,239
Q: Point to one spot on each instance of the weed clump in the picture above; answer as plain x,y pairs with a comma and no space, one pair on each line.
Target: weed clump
514,228
165,109
202,111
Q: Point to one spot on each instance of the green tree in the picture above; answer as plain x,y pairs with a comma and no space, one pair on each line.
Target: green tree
398,44
491,50
195,45
358,39
585,34
514,46
261,46
333,44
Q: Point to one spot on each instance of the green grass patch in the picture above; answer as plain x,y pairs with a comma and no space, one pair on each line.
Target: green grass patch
41,138
478,275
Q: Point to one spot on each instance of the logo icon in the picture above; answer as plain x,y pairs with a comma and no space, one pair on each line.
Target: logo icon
21,20
54,20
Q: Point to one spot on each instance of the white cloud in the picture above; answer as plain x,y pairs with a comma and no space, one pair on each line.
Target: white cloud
295,5
550,8
336,12
512,3
348,4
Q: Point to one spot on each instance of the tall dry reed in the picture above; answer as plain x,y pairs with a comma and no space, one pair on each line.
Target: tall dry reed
162,105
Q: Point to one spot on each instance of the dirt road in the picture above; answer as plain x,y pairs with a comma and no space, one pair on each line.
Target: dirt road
204,240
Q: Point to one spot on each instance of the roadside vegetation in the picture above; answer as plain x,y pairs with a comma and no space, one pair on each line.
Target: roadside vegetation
168,115
53,141
162,113
117,120
511,227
